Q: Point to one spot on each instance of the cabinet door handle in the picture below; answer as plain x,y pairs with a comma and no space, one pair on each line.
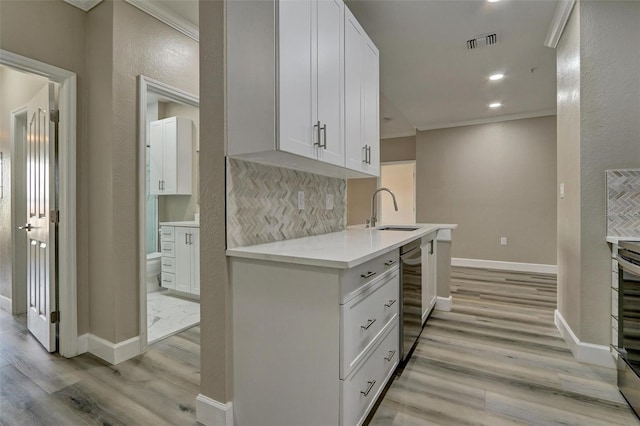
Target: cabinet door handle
391,354
159,185
390,263
186,239
391,302
371,385
324,131
369,324
368,274
318,130
430,247
190,239
369,154
364,148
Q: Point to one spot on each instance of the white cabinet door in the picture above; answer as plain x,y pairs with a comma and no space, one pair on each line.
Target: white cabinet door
330,80
155,156
297,95
183,263
169,151
429,282
362,122
195,260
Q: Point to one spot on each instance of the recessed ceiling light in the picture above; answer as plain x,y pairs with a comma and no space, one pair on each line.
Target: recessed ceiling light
495,105
495,77
492,1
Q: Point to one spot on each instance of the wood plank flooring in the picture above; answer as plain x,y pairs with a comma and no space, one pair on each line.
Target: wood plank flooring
498,359
38,388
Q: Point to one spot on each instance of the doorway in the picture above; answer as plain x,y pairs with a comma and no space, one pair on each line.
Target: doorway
400,178
37,204
169,211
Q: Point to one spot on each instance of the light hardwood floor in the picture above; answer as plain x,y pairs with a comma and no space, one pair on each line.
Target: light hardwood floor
498,359
38,388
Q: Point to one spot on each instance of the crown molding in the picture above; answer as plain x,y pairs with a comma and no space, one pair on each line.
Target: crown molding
489,120
563,11
163,14
85,5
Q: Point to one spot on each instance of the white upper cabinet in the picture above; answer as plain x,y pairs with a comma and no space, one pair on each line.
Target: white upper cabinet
171,151
286,85
362,99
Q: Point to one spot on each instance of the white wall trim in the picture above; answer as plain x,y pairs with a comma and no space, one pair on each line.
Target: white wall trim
83,343
114,353
498,119
148,85
210,412
505,266
582,351
444,303
559,21
67,264
85,5
5,304
163,14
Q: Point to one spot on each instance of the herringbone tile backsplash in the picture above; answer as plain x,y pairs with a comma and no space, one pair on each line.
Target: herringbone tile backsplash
623,203
262,204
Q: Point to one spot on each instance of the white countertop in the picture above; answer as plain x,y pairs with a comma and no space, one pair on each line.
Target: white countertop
616,240
189,223
343,250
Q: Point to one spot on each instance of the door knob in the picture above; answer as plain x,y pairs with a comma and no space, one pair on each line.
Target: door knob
27,227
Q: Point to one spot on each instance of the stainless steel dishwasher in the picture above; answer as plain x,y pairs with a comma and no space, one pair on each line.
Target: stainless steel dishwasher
411,296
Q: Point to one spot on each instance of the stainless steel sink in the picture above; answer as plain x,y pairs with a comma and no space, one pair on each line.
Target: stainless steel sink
398,228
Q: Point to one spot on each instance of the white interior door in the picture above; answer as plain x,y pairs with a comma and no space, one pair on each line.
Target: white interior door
40,223
399,178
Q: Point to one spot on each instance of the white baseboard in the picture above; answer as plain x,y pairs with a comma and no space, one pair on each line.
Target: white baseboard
113,353
506,266
6,305
444,303
582,351
210,412
83,343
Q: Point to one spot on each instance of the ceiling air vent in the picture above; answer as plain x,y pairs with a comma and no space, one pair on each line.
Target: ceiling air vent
482,40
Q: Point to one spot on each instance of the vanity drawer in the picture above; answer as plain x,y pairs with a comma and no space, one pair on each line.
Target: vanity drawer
168,249
168,280
363,318
168,264
353,279
167,233
362,388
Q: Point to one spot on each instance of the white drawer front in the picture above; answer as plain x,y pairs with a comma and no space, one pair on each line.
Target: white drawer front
168,249
168,264
364,317
353,279
168,280
360,390
167,233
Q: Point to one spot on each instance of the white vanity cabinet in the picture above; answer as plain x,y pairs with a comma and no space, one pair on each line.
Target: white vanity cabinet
171,150
286,86
180,257
429,275
362,103
312,345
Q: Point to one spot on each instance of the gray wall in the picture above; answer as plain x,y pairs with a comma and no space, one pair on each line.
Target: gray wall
493,180
598,129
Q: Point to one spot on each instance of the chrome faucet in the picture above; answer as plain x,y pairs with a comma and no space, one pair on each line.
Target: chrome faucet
371,223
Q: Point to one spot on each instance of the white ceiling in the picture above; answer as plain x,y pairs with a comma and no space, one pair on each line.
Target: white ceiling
432,79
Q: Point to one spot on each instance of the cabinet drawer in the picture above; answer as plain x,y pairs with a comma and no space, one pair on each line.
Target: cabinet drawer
168,264
167,233
364,317
168,249
360,391
168,280
352,280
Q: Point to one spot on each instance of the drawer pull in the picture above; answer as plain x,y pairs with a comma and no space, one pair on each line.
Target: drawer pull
166,264
368,274
369,324
390,263
166,281
391,354
391,302
371,385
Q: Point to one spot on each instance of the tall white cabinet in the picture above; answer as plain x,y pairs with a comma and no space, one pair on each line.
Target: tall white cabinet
171,151
362,99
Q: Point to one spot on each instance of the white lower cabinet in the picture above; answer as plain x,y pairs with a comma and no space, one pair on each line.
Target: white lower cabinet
429,276
181,258
312,345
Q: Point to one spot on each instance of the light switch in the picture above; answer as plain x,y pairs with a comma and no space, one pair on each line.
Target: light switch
300,200
503,241
562,190
329,202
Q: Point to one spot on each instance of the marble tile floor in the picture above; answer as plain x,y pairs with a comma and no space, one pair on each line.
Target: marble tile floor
169,314
158,387
498,359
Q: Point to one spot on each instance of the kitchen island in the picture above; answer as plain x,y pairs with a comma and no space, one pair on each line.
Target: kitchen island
316,324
